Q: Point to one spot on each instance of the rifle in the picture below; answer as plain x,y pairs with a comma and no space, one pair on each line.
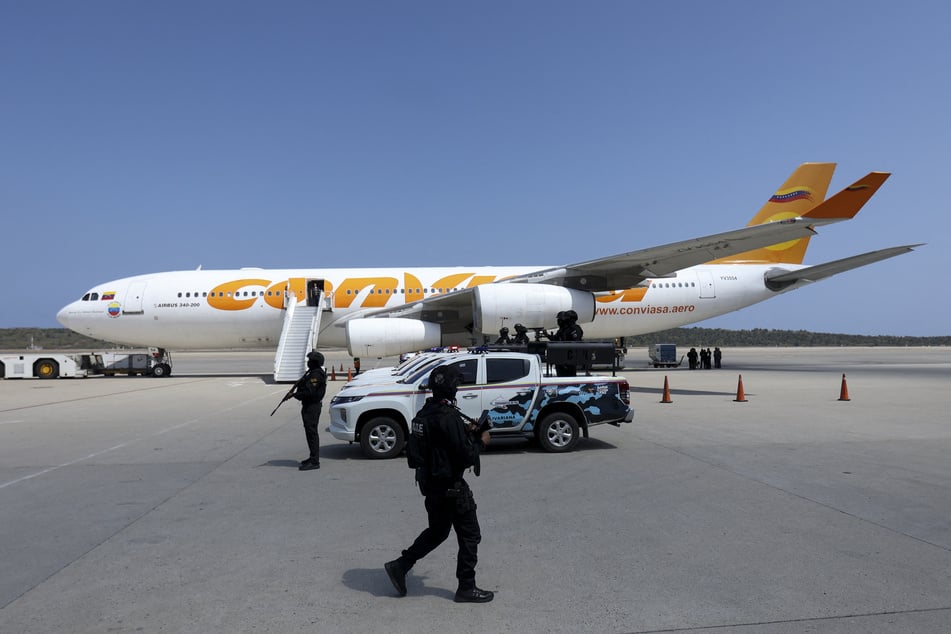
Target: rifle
476,427
290,393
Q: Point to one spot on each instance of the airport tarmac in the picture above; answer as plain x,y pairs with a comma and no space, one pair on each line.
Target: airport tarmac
175,505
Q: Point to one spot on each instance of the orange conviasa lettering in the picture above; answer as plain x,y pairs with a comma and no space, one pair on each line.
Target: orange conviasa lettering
480,279
446,284
296,286
381,289
414,288
627,295
224,296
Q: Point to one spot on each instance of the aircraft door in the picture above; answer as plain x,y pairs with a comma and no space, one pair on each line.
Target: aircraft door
315,291
707,290
134,296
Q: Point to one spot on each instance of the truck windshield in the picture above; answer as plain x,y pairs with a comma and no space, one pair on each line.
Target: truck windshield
421,371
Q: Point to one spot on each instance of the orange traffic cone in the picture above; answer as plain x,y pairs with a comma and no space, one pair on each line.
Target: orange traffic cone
666,397
740,394
341,368
349,375
844,390
333,374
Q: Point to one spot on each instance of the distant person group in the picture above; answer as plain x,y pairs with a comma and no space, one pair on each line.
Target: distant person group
704,360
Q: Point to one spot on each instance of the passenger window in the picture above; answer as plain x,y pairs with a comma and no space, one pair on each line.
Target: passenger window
468,369
504,370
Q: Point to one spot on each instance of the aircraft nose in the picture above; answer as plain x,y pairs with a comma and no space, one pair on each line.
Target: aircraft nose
63,316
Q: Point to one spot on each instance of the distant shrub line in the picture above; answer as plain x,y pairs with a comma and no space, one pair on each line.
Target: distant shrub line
62,339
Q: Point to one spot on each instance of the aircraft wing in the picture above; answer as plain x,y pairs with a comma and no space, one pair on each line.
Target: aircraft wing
629,269
779,278
625,270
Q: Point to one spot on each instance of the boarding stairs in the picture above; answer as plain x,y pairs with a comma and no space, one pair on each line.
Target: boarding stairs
298,337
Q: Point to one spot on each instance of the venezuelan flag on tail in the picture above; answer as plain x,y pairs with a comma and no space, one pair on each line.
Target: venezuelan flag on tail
801,192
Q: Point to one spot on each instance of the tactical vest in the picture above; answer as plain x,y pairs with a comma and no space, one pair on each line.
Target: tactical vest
425,453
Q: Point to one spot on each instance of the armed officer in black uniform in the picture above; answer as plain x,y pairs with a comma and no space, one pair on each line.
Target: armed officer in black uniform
568,330
521,335
573,331
442,446
310,392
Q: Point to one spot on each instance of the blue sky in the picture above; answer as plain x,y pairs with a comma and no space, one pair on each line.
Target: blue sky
138,137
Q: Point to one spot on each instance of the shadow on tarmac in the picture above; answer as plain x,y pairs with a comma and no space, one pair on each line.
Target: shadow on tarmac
374,581
281,463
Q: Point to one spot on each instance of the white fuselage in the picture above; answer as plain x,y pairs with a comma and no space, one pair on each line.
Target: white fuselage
244,308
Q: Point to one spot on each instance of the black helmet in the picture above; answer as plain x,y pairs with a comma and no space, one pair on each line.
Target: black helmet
504,331
571,315
314,359
519,327
444,381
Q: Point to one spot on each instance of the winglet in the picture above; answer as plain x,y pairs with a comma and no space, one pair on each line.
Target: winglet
850,200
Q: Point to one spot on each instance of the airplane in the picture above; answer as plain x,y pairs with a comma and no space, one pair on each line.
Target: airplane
384,312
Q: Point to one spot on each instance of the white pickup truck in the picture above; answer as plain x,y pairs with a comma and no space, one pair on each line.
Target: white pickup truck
511,387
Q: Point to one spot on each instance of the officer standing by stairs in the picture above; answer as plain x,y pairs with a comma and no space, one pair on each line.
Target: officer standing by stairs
310,392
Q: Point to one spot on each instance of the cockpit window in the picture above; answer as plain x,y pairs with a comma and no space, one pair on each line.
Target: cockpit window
94,297
86,297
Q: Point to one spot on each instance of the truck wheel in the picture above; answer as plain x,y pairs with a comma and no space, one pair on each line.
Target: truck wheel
558,432
162,369
382,438
46,369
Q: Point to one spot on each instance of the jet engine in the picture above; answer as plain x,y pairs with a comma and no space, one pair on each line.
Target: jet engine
532,305
386,337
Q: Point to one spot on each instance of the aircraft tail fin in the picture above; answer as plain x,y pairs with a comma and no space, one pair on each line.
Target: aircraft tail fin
803,190
843,206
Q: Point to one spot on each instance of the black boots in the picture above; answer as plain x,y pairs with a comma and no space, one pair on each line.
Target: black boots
310,463
397,576
473,595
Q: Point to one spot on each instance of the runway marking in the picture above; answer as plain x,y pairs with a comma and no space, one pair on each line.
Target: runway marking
132,441
807,619
104,395
66,464
11,422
